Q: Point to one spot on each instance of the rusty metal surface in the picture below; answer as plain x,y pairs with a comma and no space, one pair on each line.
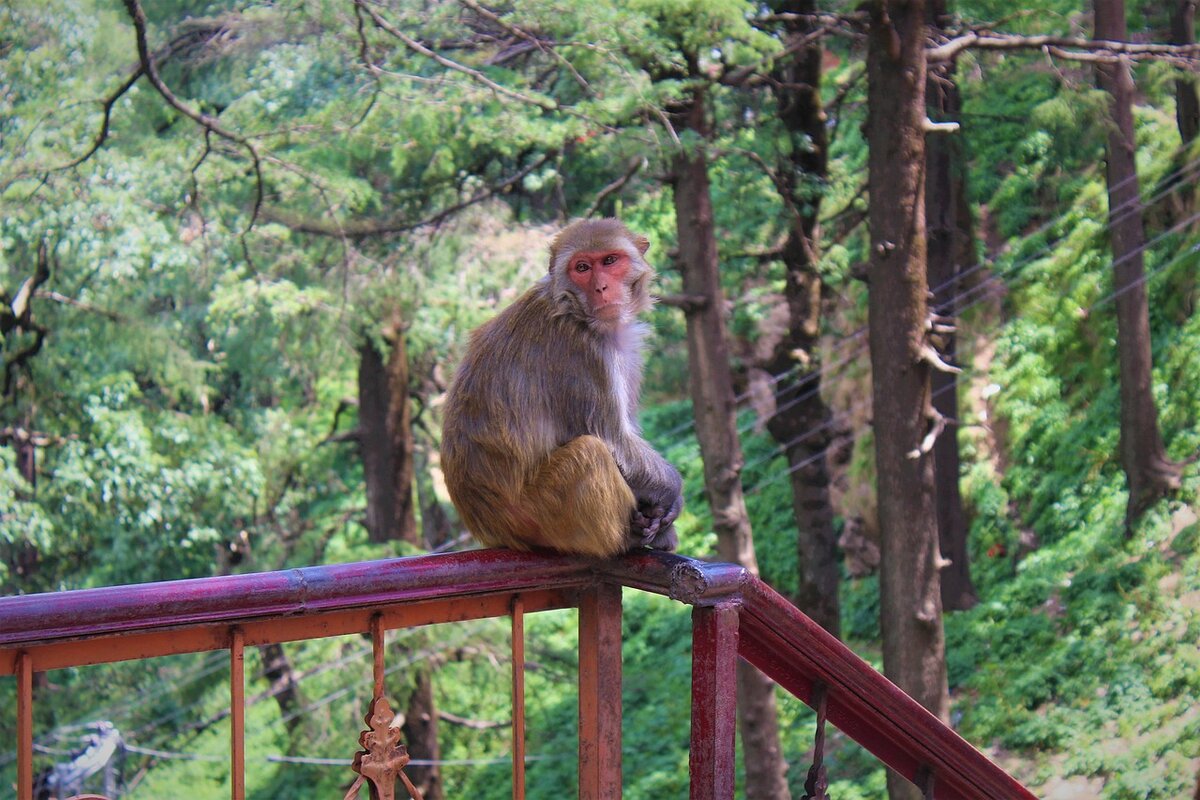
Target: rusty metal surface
237,713
518,698
687,580
39,618
714,701
798,653
40,632
149,642
382,760
816,784
600,693
24,726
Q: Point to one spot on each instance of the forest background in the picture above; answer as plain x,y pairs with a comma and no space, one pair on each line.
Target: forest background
243,245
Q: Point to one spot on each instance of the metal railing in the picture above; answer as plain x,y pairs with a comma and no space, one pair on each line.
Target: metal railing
734,614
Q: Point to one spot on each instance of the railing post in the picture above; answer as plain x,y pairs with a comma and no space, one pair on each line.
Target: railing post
518,698
714,700
24,726
600,692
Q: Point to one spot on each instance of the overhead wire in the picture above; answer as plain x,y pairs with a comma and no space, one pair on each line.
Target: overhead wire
1041,252
968,371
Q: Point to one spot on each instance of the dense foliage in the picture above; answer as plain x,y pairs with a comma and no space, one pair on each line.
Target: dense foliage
192,372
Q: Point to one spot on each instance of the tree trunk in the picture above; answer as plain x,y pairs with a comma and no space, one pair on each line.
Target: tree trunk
420,735
910,589
801,422
436,526
711,384
284,687
1187,103
949,238
385,440
1149,474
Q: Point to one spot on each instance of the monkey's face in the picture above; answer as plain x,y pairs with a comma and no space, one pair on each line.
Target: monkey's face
603,278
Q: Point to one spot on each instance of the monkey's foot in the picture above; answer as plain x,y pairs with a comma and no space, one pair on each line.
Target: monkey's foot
647,529
644,524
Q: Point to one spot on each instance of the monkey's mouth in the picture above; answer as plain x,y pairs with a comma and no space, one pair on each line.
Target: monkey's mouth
608,311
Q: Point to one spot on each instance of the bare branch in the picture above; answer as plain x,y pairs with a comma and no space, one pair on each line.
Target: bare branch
521,33
934,359
635,165
138,15
62,299
474,724
367,228
474,74
1093,49
935,430
688,303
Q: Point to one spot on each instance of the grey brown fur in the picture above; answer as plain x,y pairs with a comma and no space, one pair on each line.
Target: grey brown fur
541,447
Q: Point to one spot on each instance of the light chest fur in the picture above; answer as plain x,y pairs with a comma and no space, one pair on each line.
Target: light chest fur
625,372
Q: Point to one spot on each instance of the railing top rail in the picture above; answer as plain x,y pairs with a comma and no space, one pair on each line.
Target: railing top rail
27,620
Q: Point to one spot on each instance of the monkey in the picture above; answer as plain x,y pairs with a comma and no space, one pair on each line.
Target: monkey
541,448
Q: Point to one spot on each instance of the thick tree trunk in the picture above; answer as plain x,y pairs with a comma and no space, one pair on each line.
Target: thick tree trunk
910,589
1187,103
949,234
420,735
711,383
1149,474
801,422
385,440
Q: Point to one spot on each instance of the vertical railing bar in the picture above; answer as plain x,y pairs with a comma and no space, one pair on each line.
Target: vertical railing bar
518,697
237,713
378,645
24,726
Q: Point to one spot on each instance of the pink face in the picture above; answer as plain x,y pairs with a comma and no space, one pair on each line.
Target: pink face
600,275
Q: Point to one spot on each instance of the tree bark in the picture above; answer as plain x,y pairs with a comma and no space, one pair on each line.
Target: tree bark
910,589
1187,103
436,526
802,421
284,688
420,735
949,235
1149,474
385,440
711,384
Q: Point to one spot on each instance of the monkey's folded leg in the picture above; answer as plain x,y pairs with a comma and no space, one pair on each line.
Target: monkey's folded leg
580,500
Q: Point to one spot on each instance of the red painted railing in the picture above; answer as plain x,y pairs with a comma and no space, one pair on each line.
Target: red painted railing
733,614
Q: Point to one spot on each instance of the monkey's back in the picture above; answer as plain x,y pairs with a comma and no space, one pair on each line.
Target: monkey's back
531,380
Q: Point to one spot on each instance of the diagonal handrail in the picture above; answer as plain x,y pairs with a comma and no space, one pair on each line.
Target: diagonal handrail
799,655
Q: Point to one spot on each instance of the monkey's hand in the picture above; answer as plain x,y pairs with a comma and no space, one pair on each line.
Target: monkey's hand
652,522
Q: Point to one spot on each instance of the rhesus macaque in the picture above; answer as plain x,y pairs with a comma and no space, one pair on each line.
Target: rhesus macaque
541,448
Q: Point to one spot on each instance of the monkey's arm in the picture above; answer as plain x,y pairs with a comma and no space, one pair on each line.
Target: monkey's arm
657,487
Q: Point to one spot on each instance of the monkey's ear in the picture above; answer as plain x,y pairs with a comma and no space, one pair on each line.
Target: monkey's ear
641,243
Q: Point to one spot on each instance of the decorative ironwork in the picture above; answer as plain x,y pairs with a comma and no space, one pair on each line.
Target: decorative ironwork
817,785
383,758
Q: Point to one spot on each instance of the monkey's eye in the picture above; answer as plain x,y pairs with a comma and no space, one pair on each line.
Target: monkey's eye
582,266
609,260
